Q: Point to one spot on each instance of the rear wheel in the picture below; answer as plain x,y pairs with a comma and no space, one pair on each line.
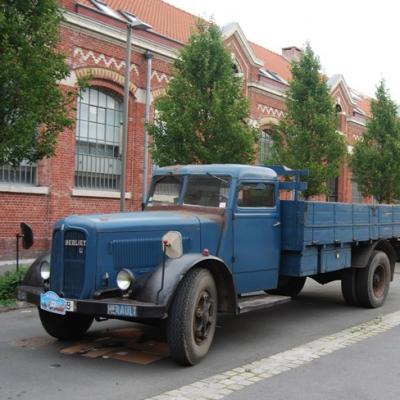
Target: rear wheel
349,286
288,286
192,317
65,327
373,281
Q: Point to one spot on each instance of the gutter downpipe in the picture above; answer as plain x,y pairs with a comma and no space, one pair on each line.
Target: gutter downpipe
149,56
125,114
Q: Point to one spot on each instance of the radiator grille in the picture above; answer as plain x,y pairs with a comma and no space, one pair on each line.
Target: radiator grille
74,263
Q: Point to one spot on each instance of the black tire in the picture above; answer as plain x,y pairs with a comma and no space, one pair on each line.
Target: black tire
65,327
373,281
349,286
288,286
192,317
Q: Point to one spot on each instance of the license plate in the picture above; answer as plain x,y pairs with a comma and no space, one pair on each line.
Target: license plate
121,310
53,303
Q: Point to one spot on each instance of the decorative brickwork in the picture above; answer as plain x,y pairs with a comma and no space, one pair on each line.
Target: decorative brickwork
105,74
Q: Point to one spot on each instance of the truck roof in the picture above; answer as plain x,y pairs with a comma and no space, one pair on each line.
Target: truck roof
234,170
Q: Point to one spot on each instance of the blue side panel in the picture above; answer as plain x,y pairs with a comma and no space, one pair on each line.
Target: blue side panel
334,258
318,223
303,263
317,237
292,218
314,260
362,221
385,218
312,223
396,217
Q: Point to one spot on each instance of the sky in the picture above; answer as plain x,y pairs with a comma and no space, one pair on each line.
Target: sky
359,39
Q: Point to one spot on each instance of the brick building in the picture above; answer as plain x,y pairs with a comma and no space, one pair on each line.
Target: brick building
84,174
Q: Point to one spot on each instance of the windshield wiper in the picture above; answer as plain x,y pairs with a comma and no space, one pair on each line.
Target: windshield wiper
217,177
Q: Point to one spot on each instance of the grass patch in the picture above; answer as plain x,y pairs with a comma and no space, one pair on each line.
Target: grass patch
8,286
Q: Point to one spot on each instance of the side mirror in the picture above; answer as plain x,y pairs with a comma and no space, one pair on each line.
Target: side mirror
27,235
172,244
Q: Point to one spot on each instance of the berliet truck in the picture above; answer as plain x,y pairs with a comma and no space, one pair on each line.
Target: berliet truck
211,239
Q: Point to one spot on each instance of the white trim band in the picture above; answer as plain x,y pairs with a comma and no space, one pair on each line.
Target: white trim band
24,189
108,194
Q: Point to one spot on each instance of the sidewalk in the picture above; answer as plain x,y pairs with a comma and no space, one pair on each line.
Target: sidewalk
10,264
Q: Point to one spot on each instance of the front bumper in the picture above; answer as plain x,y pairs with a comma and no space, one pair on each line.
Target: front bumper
116,307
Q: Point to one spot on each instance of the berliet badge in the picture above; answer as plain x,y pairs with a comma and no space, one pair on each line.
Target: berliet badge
75,242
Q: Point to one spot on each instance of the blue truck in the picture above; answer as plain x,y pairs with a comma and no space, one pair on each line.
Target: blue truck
211,239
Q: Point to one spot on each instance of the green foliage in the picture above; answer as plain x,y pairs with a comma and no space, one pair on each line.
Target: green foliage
376,156
33,108
8,285
307,136
203,116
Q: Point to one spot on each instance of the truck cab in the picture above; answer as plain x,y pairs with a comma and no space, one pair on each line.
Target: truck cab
238,212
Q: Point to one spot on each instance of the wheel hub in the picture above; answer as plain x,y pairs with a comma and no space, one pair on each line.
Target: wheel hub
378,281
204,315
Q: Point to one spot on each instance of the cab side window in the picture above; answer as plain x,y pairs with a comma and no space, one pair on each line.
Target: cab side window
255,194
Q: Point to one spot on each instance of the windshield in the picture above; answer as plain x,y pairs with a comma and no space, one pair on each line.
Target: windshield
201,190
207,191
166,190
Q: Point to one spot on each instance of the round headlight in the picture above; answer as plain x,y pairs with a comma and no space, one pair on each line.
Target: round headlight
45,270
125,279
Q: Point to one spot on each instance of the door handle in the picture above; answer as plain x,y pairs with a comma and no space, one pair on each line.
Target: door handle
276,224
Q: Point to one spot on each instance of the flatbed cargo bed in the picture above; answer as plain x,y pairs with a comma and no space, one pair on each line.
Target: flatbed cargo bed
317,237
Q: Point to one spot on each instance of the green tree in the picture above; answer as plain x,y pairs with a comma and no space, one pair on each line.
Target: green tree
33,108
376,155
307,136
203,116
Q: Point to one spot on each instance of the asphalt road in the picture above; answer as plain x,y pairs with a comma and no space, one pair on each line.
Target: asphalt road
369,369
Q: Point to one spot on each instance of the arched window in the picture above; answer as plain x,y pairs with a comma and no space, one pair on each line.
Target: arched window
264,146
98,138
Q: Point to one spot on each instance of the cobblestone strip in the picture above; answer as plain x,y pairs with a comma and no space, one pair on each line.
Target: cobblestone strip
221,385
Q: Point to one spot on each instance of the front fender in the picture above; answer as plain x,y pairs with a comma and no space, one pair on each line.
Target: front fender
175,270
32,277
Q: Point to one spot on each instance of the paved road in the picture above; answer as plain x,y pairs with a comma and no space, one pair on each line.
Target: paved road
368,369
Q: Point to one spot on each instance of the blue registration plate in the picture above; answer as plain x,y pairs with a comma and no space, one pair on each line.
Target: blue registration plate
121,310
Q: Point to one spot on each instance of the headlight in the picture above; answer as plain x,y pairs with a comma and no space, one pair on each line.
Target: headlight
45,270
125,278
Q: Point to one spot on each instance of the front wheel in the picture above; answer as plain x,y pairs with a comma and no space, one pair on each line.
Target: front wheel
192,317
65,327
373,281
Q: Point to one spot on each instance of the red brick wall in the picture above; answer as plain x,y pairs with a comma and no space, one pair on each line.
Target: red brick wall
42,211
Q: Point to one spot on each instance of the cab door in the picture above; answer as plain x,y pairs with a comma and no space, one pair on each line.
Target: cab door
256,236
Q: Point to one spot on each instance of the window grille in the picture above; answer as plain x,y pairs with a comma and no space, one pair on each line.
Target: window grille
265,146
333,186
98,138
357,197
24,174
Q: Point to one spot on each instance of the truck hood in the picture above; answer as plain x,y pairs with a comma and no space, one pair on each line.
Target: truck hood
135,221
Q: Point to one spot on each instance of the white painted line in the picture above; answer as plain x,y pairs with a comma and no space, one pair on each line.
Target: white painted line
221,385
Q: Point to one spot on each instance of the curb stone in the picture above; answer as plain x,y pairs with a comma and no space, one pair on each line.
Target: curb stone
19,305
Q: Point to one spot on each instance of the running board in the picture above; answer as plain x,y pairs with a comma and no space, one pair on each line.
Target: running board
258,302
